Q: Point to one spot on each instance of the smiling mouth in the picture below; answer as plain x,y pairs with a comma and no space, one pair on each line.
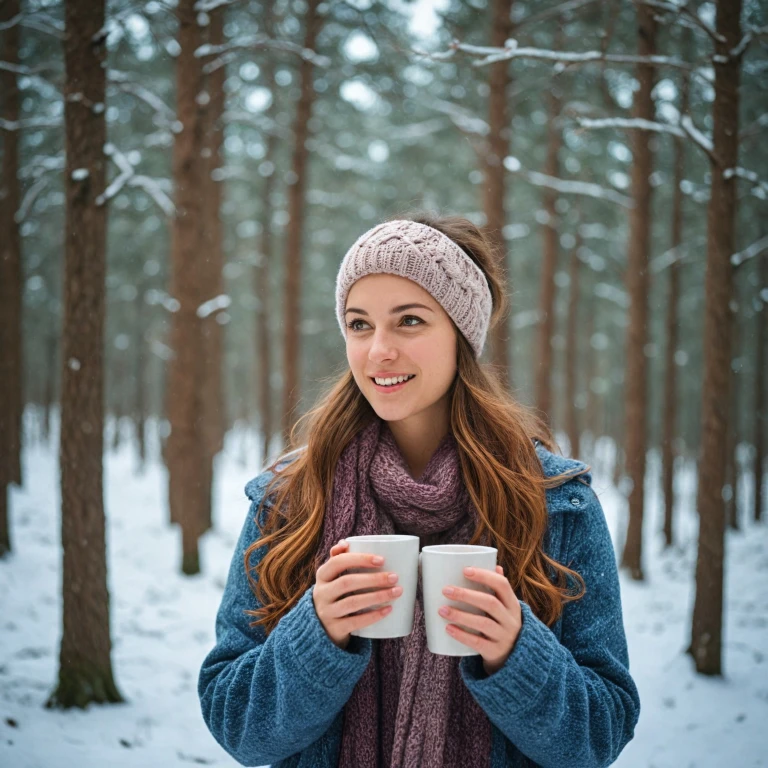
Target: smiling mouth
391,387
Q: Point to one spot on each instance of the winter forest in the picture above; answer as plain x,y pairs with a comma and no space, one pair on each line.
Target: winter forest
180,180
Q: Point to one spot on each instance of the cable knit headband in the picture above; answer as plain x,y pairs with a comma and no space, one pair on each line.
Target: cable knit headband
429,258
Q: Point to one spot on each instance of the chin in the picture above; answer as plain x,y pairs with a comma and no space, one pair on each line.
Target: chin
391,413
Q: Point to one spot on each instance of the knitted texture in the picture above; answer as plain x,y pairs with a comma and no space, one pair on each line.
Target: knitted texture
410,708
433,261
565,696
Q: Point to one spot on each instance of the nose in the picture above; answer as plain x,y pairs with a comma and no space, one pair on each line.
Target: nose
382,346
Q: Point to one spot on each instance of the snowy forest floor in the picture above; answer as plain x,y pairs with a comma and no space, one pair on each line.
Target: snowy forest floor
163,625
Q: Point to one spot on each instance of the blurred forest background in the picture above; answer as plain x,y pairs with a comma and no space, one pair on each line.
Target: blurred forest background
172,273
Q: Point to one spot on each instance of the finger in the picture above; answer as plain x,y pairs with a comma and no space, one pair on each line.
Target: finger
496,581
351,583
480,644
351,605
490,628
332,567
363,620
488,603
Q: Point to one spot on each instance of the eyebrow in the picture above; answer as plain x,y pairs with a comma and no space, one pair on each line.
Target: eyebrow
392,311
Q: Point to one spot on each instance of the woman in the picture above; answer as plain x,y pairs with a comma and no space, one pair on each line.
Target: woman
417,437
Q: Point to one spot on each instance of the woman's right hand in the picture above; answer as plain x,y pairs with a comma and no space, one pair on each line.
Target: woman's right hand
333,609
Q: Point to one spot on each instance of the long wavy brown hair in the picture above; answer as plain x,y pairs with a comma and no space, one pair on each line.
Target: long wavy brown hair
501,470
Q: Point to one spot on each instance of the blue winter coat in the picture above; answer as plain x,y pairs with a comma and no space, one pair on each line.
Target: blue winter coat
563,699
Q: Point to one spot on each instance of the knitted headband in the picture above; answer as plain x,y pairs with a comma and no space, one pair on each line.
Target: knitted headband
433,261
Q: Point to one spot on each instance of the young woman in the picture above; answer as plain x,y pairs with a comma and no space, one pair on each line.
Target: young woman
418,437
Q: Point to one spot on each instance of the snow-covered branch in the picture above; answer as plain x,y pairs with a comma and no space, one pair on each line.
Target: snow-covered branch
30,122
686,12
567,186
490,55
222,301
219,62
415,132
675,255
206,6
685,129
464,119
743,173
128,176
29,198
259,42
757,248
41,22
126,82
754,33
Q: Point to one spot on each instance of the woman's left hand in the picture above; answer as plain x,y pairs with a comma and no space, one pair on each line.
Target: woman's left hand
499,628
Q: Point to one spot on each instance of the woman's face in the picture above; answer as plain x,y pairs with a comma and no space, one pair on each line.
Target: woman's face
385,339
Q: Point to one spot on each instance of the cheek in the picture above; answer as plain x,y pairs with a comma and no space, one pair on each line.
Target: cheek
436,357
356,357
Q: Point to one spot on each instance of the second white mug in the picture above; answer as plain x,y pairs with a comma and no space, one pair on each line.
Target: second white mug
443,565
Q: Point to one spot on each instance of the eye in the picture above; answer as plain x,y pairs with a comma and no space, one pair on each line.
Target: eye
352,323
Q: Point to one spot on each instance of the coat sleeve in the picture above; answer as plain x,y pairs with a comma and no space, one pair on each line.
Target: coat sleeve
571,702
266,698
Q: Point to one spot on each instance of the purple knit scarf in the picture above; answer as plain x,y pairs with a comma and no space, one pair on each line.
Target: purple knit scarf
410,709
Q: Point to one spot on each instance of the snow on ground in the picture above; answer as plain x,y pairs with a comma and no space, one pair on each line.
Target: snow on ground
163,626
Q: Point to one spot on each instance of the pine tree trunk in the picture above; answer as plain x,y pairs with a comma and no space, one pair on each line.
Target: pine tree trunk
85,667
635,380
731,501
571,351
670,423
495,177
760,399
546,326
262,270
213,263
706,630
52,363
185,450
293,261
10,280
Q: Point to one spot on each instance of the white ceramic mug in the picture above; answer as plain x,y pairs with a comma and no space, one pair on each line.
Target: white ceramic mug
443,565
401,556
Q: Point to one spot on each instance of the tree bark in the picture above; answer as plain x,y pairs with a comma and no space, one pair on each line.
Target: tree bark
550,246
731,500
706,630
50,382
670,422
185,450
262,270
213,265
10,280
635,381
760,399
495,176
85,667
571,351
293,261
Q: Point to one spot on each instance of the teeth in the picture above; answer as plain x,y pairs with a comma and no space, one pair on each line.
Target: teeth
389,382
